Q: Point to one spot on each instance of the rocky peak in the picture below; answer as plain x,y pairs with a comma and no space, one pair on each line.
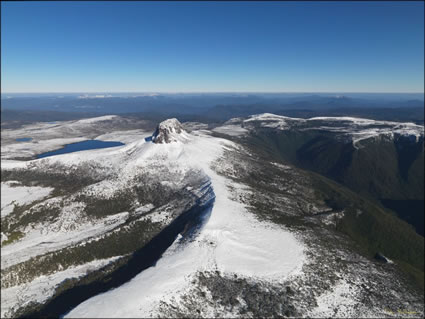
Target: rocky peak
168,131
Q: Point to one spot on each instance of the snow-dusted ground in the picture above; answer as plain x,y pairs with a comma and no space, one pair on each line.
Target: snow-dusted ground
43,287
124,136
339,302
48,136
12,194
232,241
33,147
72,226
96,119
69,229
232,130
356,129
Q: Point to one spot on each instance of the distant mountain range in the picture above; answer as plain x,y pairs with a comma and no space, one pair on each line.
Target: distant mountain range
219,107
189,103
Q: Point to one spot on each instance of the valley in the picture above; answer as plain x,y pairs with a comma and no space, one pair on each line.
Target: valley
243,218
212,159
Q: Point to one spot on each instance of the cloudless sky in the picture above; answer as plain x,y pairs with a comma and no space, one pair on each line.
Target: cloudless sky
212,47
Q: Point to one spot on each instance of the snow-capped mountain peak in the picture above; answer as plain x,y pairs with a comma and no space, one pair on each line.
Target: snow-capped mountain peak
168,131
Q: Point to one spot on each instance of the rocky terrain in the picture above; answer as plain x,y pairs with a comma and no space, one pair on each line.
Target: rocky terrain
244,229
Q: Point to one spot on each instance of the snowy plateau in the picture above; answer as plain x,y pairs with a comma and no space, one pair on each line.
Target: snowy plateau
248,236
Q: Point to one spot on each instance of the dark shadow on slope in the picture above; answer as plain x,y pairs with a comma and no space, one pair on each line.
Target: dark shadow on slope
408,150
142,259
411,211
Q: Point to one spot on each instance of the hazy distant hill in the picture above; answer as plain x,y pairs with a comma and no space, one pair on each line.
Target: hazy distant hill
217,106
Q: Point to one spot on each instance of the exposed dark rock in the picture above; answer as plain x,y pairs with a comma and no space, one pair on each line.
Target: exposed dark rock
167,131
380,257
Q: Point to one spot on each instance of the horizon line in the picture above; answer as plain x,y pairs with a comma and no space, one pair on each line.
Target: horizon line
210,92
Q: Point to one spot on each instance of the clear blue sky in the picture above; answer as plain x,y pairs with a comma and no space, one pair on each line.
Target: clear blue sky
212,47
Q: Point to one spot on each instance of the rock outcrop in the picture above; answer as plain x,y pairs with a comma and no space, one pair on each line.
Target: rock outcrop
168,131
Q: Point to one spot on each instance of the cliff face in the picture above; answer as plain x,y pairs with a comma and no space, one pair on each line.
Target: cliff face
168,131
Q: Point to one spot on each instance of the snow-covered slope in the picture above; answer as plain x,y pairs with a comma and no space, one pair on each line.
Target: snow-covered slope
352,128
47,136
232,242
266,243
13,194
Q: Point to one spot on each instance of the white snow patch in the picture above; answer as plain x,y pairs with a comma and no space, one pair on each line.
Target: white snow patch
163,216
232,130
97,119
270,117
124,136
20,195
144,209
340,302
